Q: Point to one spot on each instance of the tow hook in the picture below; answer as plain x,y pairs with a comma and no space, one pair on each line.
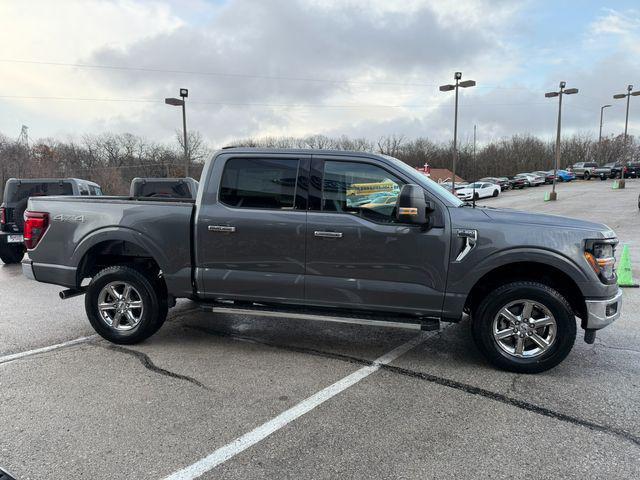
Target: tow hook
590,335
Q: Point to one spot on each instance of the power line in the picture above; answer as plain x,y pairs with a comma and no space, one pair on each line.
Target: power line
262,104
214,74
232,74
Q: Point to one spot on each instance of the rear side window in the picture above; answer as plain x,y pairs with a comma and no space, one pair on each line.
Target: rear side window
259,183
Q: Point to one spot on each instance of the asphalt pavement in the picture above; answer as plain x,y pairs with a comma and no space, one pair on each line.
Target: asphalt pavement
239,397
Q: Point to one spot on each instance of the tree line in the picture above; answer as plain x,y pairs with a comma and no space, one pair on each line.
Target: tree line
112,160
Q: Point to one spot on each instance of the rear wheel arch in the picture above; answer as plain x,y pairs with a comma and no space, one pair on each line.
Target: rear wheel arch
107,253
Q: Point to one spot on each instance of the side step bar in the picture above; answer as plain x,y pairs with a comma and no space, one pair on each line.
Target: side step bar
407,322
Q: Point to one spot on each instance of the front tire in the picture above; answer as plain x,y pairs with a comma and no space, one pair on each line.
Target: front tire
124,305
12,253
524,327
586,176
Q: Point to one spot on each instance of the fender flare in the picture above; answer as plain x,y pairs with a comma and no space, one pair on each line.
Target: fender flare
122,234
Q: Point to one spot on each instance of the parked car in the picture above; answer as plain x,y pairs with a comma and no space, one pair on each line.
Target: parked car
517,182
14,202
531,180
164,187
632,170
257,243
548,176
479,189
584,170
565,176
447,185
502,182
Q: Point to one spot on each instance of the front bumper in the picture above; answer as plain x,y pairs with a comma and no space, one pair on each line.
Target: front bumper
603,312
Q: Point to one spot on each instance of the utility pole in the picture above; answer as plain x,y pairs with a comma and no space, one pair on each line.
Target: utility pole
474,167
560,93
601,112
446,88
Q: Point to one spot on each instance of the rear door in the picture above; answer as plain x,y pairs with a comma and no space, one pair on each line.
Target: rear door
251,226
358,256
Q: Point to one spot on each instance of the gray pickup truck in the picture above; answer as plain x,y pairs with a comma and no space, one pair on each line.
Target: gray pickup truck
314,234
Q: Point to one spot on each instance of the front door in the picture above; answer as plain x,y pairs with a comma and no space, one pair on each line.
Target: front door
251,229
358,255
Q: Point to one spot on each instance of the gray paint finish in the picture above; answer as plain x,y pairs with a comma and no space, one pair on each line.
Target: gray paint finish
273,255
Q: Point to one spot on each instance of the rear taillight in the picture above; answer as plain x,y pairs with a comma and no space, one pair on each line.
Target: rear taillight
3,216
35,224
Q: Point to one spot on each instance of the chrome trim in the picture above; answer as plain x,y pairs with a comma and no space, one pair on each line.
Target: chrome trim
328,234
597,311
222,228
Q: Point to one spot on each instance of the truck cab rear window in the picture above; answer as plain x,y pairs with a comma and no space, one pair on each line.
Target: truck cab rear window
22,191
259,183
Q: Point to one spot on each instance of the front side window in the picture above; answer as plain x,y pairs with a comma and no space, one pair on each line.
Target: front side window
360,189
259,183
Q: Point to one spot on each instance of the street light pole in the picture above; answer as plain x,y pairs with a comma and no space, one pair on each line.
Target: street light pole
560,93
601,113
181,102
628,96
446,88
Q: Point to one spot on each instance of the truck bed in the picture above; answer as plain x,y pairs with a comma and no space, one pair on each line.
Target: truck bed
159,226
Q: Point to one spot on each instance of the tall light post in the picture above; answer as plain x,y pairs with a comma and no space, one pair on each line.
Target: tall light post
447,88
559,94
628,96
181,102
601,112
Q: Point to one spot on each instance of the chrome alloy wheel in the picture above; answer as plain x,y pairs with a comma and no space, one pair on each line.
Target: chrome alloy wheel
524,328
120,306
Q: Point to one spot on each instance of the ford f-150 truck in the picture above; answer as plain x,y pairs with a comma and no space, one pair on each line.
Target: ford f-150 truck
313,234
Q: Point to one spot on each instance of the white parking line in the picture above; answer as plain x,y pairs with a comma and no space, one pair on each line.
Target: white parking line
240,444
28,353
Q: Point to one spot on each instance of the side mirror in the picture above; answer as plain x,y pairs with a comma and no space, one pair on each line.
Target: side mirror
413,207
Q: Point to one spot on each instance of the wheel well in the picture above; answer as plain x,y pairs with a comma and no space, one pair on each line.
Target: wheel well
117,252
532,271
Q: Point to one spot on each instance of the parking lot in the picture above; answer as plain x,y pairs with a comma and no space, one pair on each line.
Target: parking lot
245,397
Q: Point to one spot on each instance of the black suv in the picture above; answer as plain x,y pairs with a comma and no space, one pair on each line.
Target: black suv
16,194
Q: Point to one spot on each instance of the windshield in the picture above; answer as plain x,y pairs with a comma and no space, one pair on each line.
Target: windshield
426,182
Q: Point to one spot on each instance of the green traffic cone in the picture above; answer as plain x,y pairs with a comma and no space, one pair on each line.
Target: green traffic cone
625,274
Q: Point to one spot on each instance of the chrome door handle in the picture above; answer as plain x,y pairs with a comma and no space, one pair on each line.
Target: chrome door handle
222,228
327,234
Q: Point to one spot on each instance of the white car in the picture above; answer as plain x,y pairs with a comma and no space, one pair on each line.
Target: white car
532,179
480,189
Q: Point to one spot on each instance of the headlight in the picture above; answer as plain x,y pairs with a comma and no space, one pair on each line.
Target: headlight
600,255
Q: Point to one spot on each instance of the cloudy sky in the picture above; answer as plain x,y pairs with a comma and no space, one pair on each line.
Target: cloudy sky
298,67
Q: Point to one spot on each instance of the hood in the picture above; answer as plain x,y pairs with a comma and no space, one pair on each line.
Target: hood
515,217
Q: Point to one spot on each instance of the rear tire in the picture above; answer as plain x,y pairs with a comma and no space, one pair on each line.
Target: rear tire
586,176
495,193
111,312
12,253
489,321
